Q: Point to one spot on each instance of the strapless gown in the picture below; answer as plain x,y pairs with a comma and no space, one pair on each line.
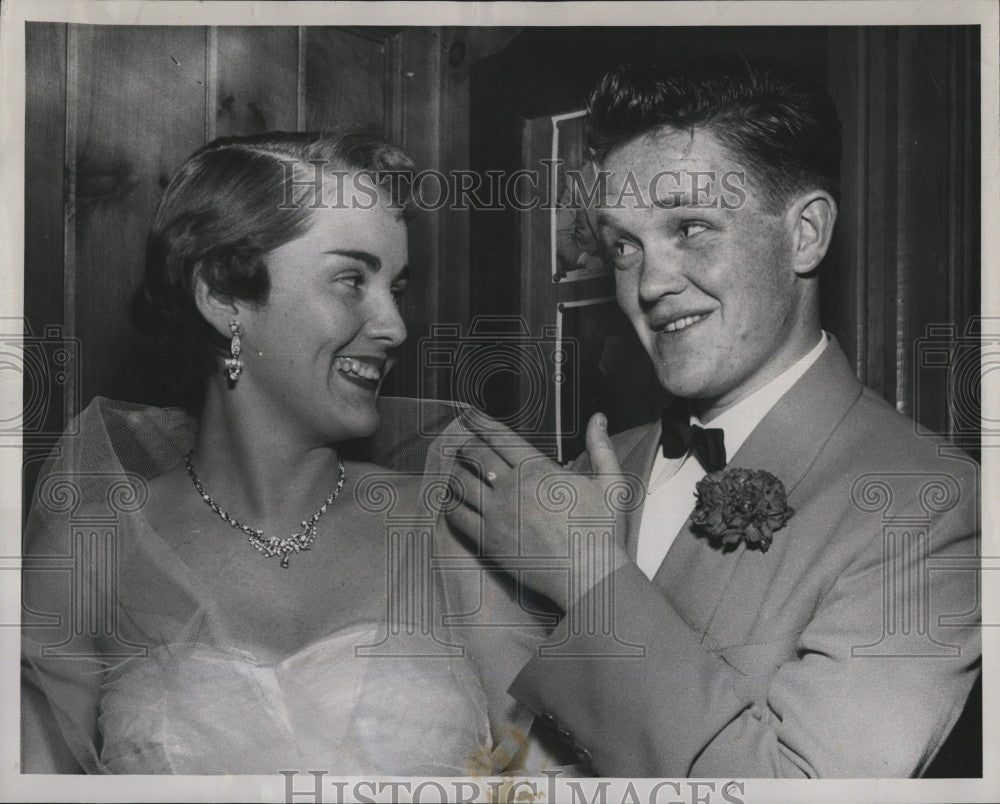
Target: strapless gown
203,709
196,705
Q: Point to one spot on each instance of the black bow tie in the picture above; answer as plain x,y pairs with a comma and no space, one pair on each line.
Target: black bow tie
681,437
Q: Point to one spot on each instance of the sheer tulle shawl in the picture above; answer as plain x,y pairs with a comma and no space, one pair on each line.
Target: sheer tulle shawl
126,668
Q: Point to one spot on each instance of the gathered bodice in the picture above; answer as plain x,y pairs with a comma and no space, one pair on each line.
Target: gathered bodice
197,709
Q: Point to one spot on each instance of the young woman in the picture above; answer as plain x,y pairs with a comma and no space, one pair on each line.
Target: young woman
242,569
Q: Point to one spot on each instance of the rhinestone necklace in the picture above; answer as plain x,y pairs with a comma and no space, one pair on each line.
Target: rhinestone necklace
273,546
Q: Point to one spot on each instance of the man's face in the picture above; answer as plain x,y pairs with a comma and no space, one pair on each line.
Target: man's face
706,277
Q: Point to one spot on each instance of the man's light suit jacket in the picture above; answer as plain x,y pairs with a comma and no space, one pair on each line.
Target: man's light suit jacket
846,650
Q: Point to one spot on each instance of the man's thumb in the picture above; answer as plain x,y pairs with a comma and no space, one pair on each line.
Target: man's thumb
602,454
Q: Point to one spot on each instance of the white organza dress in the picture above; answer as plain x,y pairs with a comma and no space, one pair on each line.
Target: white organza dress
199,709
138,676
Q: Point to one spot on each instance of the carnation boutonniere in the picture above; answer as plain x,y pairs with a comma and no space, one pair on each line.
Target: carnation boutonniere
740,505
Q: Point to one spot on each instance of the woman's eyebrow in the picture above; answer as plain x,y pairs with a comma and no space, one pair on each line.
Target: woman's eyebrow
371,260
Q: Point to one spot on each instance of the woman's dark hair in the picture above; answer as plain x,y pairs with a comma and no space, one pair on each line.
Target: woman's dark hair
233,202
783,127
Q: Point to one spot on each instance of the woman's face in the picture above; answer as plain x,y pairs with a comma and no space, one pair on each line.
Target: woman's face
316,352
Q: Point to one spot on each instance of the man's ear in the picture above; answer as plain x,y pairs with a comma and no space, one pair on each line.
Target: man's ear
812,217
216,310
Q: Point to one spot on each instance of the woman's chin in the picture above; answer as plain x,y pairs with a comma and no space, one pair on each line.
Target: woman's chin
359,423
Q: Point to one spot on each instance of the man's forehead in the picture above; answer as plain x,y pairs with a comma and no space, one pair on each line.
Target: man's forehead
670,148
671,168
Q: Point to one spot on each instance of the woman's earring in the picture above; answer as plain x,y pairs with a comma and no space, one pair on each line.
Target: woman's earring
233,364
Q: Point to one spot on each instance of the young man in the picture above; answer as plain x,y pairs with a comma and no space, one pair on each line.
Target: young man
836,637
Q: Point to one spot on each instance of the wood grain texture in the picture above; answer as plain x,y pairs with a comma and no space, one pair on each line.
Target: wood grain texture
138,100
345,81
939,216
252,98
877,371
46,403
301,47
460,48
923,144
211,80
45,119
964,225
419,114
539,295
843,280
140,95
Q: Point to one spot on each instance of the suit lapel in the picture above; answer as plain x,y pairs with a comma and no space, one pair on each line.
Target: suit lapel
786,442
791,435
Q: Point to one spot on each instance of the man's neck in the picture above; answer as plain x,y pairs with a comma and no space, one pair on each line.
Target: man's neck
708,409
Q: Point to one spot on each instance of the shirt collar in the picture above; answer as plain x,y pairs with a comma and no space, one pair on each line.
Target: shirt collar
739,421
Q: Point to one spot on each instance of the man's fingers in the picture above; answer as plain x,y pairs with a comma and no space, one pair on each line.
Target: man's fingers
510,446
471,457
466,485
468,523
602,454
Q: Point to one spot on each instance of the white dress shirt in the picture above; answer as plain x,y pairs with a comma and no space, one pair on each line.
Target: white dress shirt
670,497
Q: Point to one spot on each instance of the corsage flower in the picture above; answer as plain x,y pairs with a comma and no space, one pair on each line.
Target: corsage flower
737,505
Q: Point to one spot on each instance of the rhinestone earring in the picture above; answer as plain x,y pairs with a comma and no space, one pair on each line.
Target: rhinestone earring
233,364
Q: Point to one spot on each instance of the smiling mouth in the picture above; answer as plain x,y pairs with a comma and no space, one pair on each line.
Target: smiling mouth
360,368
683,323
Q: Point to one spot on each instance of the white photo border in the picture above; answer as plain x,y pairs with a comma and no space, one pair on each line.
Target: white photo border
14,13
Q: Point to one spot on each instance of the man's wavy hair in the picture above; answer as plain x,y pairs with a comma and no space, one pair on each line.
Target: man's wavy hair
783,128
234,202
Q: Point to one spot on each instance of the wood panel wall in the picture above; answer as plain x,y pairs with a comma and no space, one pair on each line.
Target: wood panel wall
112,112
905,261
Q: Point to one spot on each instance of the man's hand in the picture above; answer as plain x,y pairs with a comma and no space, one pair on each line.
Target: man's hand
519,507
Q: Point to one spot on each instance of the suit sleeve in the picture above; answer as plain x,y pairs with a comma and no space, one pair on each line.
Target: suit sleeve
826,711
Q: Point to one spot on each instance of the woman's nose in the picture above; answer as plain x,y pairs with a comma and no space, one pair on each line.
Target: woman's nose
386,324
